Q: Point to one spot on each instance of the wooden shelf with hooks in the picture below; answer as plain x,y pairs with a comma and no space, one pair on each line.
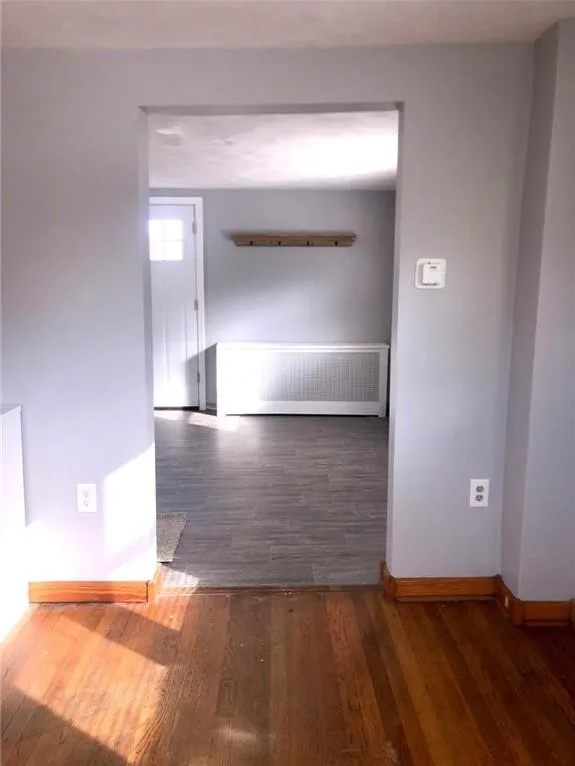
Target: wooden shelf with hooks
299,239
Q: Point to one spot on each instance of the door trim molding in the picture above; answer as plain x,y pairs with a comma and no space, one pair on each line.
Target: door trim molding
198,203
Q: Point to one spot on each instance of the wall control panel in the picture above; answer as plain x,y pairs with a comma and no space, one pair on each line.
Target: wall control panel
430,273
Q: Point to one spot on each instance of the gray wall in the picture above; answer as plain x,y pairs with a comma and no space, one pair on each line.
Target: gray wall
526,299
75,334
539,519
324,295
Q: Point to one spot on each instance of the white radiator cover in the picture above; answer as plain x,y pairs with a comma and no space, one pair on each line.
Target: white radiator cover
302,379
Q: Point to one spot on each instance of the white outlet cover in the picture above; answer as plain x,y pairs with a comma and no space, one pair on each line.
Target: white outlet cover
86,498
479,493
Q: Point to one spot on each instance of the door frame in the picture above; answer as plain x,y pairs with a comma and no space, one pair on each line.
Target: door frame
198,203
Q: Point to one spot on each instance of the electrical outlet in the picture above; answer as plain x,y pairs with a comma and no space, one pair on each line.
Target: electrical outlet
86,498
479,493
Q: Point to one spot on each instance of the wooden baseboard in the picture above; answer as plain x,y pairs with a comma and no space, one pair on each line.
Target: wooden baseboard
530,613
88,592
547,613
436,588
508,601
387,581
534,613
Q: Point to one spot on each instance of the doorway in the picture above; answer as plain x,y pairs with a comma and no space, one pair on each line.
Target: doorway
298,498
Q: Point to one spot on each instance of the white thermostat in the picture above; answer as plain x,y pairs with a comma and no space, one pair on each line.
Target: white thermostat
430,273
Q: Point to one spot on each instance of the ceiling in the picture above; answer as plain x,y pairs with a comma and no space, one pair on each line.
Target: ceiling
356,150
148,24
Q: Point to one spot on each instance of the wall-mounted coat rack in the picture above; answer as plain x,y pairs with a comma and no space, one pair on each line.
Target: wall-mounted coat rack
299,239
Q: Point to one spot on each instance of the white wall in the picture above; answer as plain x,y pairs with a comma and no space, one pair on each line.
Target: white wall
297,295
1,15
74,281
13,580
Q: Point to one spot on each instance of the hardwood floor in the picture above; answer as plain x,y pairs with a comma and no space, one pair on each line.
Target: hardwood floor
277,501
286,679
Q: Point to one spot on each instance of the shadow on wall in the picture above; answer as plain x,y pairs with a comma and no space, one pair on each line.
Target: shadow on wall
211,376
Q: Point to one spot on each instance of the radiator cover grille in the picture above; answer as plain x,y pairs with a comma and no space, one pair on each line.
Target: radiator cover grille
339,376
258,378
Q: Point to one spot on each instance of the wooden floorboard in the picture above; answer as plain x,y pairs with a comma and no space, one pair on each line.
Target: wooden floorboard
334,678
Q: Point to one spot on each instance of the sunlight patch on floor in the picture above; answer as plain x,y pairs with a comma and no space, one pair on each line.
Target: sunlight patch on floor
82,711
172,578
203,419
219,423
241,738
173,415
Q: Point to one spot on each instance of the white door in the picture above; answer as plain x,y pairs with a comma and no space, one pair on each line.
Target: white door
174,305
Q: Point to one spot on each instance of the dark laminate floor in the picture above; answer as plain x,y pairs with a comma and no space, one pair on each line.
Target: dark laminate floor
298,679
277,501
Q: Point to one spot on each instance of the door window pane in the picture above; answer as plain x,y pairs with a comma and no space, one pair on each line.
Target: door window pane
166,239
